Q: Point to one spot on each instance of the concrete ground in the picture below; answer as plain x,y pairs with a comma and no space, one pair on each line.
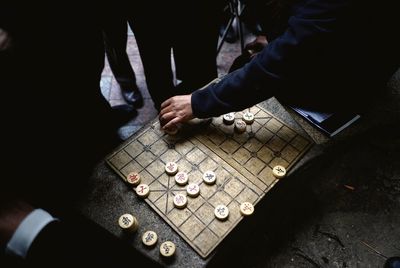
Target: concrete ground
341,209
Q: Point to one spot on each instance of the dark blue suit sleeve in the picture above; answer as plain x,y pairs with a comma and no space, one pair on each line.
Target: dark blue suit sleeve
309,29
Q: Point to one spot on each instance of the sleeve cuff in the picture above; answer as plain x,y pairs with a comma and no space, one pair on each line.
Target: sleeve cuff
27,231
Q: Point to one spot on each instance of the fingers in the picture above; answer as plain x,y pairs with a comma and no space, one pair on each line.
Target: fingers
166,117
174,116
175,110
166,103
172,123
167,111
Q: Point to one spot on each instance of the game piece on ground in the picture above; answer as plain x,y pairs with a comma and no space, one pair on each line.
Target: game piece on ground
209,177
128,223
279,171
171,168
221,212
143,190
133,178
167,249
181,178
229,118
149,238
193,190
180,201
248,118
246,208
240,126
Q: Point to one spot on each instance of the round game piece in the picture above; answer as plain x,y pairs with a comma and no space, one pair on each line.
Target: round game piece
181,178
171,131
279,171
193,190
209,177
229,118
149,238
143,190
246,208
171,168
240,126
180,201
167,249
128,223
133,178
221,212
248,118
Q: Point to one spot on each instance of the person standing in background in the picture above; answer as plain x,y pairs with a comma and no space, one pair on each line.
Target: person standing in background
190,30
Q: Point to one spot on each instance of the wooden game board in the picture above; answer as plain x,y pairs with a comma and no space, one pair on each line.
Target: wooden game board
242,162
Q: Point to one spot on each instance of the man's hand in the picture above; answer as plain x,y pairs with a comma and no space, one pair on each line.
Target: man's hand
176,110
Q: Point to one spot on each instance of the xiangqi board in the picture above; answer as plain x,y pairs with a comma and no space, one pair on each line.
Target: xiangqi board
242,162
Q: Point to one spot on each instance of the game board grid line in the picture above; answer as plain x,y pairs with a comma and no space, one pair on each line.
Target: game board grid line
283,148
233,225
221,186
263,143
222,157
207,226
225,161
169,188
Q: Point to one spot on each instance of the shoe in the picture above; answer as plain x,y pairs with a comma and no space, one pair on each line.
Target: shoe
133,98
393,262
121,114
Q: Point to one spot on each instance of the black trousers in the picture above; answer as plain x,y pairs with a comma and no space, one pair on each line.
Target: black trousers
115,38
190,31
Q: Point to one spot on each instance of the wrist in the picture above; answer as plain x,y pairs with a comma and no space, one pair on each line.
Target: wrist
12,213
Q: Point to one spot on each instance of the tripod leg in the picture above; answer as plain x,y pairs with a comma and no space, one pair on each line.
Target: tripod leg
228,26
238,14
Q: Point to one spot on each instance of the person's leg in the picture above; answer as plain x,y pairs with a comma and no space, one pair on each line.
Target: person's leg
115,38
155,51
195,50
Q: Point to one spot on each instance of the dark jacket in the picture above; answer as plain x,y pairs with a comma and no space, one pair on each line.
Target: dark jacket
331,55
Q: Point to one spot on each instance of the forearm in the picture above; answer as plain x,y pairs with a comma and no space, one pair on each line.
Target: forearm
236,91
291,56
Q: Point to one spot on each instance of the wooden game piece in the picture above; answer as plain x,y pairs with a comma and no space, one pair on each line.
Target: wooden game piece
149,238
240,126
248,118
171,131
128,223
181,178
133,178
171,168
180,201
143,190
221,212
279,171
167,249
193,190
209,177
246,208
229,118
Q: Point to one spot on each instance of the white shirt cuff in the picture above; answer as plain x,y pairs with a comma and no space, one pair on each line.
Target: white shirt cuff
27,231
